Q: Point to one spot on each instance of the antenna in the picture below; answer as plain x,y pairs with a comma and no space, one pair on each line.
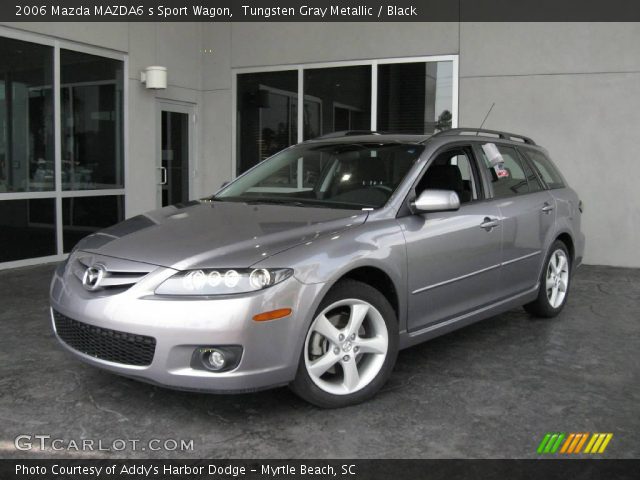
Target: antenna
486,116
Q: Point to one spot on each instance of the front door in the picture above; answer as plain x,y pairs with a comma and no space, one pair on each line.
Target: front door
174,153
453,257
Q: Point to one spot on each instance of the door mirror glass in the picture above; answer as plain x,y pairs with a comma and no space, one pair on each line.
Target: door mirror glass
431,200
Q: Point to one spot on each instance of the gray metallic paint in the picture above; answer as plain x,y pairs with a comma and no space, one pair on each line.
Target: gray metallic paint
448,272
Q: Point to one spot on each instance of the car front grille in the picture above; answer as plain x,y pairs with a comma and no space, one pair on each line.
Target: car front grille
114,280
105,344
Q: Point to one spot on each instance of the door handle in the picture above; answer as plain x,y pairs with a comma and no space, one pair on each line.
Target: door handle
163,175
489,223
547,208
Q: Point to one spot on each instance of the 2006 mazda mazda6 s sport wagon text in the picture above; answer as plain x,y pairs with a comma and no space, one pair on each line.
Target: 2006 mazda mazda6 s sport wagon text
316,266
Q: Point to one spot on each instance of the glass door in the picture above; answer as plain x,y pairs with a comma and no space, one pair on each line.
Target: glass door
174,152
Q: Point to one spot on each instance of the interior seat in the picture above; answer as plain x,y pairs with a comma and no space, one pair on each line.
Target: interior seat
444,177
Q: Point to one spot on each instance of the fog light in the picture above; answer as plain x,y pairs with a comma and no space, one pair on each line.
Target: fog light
216,360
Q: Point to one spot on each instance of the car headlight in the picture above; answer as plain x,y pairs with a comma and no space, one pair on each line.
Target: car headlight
226,281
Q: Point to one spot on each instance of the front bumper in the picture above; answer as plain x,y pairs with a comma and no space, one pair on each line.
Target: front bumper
180,325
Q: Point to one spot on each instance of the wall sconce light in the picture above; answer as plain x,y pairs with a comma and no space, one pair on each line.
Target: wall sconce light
154,77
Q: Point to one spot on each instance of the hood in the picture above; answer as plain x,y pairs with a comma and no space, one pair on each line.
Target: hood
206,234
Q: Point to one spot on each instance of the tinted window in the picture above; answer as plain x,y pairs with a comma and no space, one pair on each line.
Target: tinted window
415,97
534,182
84,215
91,96
451,170
507,173
267,115
336,99
26,117
546,168
27,228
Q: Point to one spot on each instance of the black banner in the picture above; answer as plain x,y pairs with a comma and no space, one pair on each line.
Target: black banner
318,469
318,10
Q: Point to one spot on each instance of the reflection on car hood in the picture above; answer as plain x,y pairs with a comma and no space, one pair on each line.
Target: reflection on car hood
217,234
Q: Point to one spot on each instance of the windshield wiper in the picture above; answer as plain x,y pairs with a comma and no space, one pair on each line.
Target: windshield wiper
276,201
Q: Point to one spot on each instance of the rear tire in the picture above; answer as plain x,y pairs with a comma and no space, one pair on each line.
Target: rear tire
555,281
350,348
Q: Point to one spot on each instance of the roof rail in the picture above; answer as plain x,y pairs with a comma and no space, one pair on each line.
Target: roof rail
502,135
348,133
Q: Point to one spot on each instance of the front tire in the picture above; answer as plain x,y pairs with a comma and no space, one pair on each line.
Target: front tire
350,348
554,283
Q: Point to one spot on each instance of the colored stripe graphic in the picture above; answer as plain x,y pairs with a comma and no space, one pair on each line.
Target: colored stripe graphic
598,442
555,447
607,439
550,443
543,443
594,437
567,442
573,443
581,443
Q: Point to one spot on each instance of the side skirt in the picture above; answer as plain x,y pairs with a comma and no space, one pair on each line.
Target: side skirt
408,339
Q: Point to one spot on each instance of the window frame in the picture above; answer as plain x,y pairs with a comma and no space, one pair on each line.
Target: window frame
483,193
301,67
527,164
489,181
523,152
58,194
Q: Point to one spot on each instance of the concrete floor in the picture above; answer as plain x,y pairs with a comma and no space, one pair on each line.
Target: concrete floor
490,390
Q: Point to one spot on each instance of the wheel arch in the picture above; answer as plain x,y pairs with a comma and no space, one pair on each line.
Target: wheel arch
566,238
377,278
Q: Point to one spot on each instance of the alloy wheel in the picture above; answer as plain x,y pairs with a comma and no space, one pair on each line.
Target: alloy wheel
557,278
346,346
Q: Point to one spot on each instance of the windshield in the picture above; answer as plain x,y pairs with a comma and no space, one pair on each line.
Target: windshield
350,176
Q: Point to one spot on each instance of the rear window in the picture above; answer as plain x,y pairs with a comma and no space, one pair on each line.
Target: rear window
545,168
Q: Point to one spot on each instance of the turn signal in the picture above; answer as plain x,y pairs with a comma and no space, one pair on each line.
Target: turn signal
272,315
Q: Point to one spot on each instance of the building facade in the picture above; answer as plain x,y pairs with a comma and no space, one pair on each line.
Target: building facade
84,143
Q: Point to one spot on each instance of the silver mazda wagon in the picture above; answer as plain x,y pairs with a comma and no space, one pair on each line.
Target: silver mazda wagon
316,266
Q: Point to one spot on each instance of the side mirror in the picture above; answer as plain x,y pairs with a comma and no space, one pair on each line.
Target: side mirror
436,201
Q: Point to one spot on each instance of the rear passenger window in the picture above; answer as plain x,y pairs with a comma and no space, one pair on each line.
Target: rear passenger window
507,173
534,181
546,168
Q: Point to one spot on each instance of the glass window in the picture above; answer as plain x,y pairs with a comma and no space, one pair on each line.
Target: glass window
27,229
26,117
415,97
336,99
452,170
534,182
175,157
84,215
351,176
546,168
267,115
92,121
507,174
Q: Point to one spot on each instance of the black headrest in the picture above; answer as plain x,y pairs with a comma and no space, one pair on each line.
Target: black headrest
445,177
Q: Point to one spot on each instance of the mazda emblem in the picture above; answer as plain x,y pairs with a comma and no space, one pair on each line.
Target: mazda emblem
93,275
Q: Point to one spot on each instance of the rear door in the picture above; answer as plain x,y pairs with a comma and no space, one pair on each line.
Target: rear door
527,212
453,257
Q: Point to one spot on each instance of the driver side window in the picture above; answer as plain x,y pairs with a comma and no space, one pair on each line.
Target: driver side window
452,170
